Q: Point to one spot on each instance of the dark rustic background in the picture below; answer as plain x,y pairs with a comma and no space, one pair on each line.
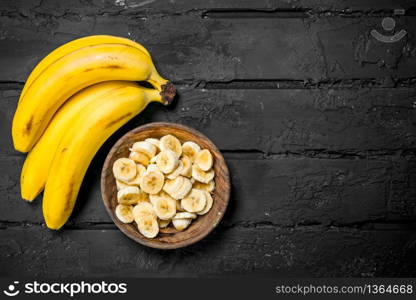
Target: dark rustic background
316,120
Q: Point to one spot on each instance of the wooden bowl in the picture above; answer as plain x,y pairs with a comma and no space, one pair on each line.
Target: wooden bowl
168,238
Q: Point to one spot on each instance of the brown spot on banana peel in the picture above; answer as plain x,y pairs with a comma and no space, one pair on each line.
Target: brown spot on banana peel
68,197
117,120
28,126
103,67
112,57
168,93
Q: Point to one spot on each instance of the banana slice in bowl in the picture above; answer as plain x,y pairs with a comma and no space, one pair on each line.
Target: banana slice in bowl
165,185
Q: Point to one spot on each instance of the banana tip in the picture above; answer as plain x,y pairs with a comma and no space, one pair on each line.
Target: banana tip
168,93
20,148
28,199
53,226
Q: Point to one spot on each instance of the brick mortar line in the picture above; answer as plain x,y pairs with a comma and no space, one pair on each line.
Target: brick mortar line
353,154
301,12
354,83
300,84
369,225
226,13
366,154
349,154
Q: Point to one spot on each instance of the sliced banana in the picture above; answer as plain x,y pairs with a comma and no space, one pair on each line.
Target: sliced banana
176,172
195,201
124,213
204,160
140,171
181,224
154,142
208,206
153,168
183,190
139,158
201,175
171,186
184,215
190,149
165,208
161,194
154,159
148,226
121,185
187,166
167,182
143,209
136,180
124,169
129,195
169,142
143,196
152,182
179,206
163,223
208,187
144,147
167,161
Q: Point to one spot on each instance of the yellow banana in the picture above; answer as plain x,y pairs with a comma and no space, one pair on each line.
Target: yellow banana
81,140
70,74
75,45
37,164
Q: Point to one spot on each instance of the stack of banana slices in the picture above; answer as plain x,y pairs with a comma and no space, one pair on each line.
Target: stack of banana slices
163,181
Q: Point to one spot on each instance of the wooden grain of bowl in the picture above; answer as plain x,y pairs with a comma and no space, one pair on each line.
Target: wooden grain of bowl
168,238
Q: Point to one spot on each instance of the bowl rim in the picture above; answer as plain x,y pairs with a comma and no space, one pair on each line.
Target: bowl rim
155,243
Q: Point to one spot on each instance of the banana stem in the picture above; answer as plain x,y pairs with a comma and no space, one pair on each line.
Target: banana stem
156,80
168,93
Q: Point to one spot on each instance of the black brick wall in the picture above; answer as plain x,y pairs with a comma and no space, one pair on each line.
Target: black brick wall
316,120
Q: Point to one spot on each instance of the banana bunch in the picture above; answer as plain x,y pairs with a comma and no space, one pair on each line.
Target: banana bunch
163,181
72,102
